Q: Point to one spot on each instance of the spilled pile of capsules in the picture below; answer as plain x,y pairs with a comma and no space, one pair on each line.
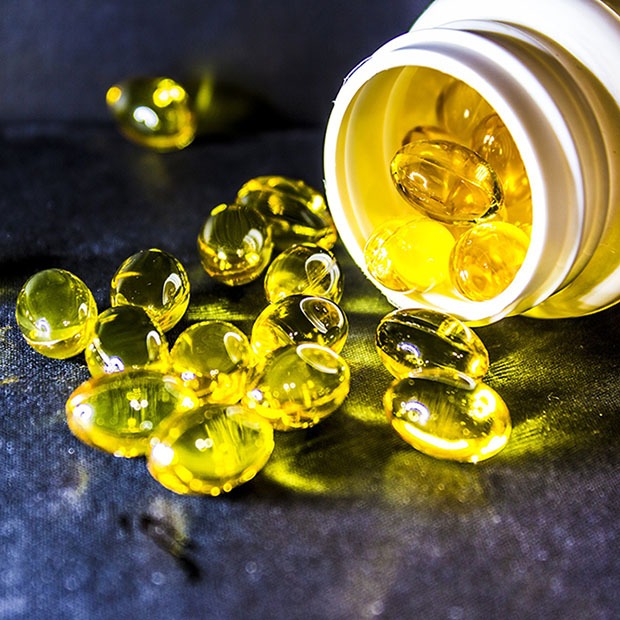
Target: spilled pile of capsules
203,412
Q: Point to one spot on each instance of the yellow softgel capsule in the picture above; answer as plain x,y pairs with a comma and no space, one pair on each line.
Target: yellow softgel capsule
55,311
493,142
446,181
304,269
415,341
459,110
153,112
215,359
296,319
156,281
210,449
425,132
486,259
295,211
235,244
410,254
124,337
300,386
446,421
117,413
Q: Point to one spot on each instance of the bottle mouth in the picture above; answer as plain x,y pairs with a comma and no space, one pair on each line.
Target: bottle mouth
377,106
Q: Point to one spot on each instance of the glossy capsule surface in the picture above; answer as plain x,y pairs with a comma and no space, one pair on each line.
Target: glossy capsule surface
411,254
493,142
446,181
156,281
124,337
153,112
459,110
296,319
295,211
304,269
117,413
235,244
300,386
210,449
486,259
414,341
426,132
55,312
448,422
215,359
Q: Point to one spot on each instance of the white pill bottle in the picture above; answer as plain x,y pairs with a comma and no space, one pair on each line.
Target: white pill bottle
551,71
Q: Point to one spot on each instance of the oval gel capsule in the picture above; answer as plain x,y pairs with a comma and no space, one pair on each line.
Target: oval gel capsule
295,211
300,386
446,181
448,422
426,342
56,312
210,449
117,413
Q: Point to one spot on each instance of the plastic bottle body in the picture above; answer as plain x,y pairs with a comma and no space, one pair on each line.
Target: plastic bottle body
547,72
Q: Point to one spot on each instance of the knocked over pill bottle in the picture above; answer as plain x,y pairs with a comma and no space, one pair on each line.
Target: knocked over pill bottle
549,70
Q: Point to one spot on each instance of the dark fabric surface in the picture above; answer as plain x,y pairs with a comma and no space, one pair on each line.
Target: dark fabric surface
57,57
346,521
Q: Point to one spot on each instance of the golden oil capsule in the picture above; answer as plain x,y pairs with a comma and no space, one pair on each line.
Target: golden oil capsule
156,281
153,112
55,312
209,450
118,412
235,244
296,212
296,319
493,142
304,269
124,337
426,132
411,254
446,421
459,110
415,341
486,259
300,386
215,359
446,181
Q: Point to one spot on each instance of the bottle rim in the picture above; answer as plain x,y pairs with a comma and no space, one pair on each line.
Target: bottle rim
536,124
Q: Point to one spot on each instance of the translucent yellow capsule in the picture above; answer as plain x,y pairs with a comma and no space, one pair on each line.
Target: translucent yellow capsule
156,281
425,132
235,244
460,108
124,337
493,142
446,181
296,319
304,269
211,449
215,359
55,312
412,342
153,112
300,386
449,422
486,259
118,412
410,254
295,211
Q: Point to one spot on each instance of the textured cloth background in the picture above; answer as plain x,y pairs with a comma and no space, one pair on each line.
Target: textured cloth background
346,521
